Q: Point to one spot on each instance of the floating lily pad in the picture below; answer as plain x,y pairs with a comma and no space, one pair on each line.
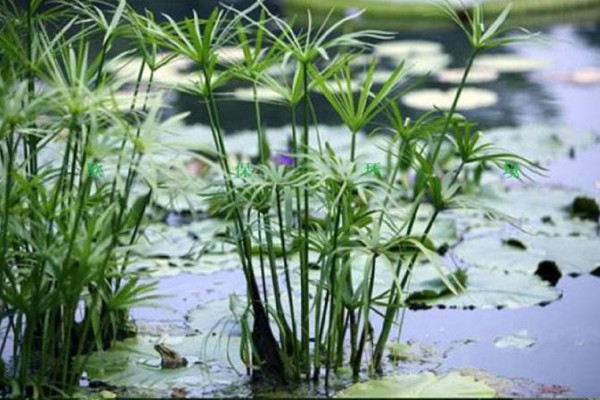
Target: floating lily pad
164,241
476,75
407,48
540,142
424,385
510,63
484,289
470,98
516,387
168,75
264,94
422,64
135,363
536,210
573,255
519,340
334,87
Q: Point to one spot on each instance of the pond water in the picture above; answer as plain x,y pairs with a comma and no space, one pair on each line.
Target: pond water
563,360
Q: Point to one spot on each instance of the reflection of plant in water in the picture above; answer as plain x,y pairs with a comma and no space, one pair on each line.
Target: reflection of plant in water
319,204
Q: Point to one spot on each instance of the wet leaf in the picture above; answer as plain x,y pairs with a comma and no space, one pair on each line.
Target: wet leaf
484,289
536,209
573,255
134,363
424,385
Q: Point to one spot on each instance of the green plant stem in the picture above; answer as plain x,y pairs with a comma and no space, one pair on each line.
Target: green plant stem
288,280
262,260
7,193
332,289
262,334
391,311
275,281
366,324
304,308
463,81
259,129
124,141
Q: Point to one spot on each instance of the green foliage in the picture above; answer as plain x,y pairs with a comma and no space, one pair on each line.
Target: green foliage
66,238
64,285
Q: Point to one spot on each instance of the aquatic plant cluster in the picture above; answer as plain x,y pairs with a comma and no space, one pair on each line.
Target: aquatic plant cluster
66,235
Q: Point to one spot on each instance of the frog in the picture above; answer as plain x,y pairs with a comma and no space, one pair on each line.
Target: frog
170,359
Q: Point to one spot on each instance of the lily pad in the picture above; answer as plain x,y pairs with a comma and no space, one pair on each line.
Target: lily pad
540,143
573,255
476,75
134,363
510,63
519,340
407,48
168,75
536,209
470,98
422,64
164,241
424,385
484,289
264,94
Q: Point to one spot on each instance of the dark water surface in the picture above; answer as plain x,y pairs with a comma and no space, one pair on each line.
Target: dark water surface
567,351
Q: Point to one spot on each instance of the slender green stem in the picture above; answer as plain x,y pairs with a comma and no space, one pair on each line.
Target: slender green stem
394,297
275,278
453,107
304,308
288,280
259,129
366,324
262,260
124,141
332,290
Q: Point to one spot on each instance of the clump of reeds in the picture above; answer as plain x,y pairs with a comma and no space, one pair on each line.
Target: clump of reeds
64,286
